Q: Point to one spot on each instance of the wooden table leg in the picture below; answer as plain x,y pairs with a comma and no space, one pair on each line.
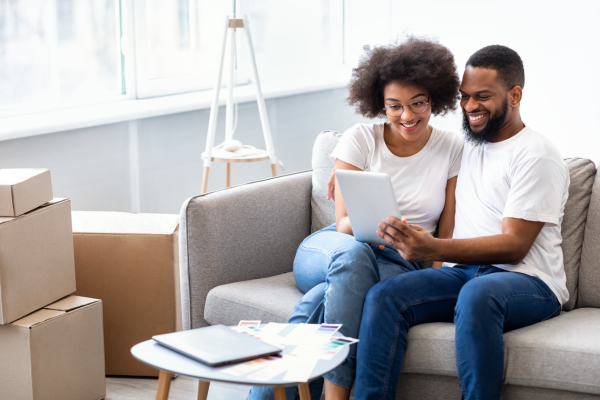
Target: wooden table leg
304,391
279,393
203,390
164,384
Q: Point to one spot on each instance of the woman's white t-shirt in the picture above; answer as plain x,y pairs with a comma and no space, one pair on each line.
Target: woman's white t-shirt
419,181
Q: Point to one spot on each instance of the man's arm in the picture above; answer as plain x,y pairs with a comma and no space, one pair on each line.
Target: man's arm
416,244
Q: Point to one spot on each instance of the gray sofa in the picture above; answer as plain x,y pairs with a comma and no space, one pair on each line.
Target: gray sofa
237,247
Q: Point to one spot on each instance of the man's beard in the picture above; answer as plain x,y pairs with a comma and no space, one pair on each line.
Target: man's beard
489,131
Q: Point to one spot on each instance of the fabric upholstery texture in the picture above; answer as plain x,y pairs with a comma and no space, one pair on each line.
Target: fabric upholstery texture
228,304
246,232
438,387
589,273
323,210
581,172
562,353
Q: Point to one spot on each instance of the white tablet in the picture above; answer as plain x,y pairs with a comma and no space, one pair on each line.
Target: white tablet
369,199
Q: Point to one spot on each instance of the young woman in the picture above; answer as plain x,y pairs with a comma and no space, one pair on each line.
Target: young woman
405,83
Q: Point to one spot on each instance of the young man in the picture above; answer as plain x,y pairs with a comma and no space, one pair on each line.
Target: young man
504,266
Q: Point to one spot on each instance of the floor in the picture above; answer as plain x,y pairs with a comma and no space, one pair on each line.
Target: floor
182,388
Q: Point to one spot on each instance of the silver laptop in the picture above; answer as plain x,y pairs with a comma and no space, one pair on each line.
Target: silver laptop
216,345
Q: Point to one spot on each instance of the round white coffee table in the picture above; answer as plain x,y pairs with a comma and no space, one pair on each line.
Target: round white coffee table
169,363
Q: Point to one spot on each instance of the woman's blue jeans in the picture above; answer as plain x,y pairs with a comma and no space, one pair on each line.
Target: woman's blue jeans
482,300
336,272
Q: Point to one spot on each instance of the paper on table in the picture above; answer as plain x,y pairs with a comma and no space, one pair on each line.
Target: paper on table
325,351
273,369
249,366
311,334
300,369
257,333
273,328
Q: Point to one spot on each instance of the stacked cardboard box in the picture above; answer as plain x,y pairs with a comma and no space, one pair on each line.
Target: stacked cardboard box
51,346
131,262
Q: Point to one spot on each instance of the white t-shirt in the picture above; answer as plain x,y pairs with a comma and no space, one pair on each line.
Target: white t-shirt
419,181
523,177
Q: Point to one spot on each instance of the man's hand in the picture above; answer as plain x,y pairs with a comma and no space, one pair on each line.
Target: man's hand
331,185
412,242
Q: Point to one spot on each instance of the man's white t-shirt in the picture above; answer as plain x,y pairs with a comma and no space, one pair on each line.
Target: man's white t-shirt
419,181
523,177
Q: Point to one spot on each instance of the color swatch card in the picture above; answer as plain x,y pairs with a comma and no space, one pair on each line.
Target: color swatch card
255,324
250,366
274,369
325,332
258,334
311,334
325,351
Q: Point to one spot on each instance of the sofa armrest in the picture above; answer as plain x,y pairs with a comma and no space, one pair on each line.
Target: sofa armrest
246,232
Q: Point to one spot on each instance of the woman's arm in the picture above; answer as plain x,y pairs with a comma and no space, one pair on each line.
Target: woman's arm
341,216
446,222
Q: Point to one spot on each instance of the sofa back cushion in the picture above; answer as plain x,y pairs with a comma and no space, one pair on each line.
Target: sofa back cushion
581,173
323,210
589,273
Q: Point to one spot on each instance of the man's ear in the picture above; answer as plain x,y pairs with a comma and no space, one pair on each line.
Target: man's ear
515,95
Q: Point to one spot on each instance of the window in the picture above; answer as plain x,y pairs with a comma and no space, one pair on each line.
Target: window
176,44
58,54
59,51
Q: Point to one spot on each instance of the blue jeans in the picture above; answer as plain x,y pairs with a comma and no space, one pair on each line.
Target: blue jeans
336,272
482,300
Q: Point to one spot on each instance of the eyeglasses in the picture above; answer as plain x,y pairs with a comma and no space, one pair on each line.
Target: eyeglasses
396,110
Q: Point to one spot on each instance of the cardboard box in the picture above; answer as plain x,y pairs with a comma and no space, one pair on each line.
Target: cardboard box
54,353
37,265
131,262
23,189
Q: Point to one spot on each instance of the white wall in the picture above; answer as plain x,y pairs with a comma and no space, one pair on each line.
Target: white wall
558,42
92,166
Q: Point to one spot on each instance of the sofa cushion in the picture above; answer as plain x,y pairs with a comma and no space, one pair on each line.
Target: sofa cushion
269,300
581,173
589,275
562,353
323,210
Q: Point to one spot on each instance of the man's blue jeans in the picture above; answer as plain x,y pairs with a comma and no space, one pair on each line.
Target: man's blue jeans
482,300
336,272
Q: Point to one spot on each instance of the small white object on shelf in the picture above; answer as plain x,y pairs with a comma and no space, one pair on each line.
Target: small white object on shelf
232,145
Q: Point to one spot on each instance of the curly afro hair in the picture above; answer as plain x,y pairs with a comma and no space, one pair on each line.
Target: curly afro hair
415,61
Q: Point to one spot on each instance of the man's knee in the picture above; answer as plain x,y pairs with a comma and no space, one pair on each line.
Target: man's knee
475,302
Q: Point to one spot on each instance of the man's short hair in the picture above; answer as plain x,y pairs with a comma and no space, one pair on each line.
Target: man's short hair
506,62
